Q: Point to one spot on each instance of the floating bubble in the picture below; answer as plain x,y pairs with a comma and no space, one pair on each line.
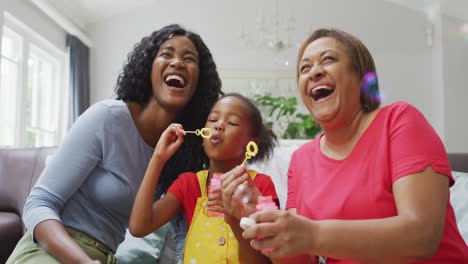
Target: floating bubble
370,88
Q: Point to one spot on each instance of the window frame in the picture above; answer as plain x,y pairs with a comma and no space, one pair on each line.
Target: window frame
31,40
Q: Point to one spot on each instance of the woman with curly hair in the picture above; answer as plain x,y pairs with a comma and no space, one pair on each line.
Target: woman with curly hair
80,207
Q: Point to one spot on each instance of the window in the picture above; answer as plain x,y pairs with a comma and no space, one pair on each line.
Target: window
9,85
32,88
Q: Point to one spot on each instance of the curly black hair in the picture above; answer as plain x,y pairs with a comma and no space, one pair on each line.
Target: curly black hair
266,138
134,85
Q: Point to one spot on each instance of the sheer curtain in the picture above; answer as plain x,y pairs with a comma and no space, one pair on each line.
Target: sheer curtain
79,78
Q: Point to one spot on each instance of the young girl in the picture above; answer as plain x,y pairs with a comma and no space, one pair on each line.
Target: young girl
234,121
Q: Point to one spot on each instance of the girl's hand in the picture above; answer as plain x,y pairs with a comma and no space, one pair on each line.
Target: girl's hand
215,201
169,142
280,234
239,193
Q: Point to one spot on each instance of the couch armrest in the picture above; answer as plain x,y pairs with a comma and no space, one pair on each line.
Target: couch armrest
458,161
11,230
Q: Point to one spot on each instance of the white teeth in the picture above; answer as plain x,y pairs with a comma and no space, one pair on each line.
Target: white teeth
175,77
315,90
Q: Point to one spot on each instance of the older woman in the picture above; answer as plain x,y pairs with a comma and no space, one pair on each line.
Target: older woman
374,187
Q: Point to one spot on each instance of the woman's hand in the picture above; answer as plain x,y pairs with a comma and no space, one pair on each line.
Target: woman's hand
280,234
239,193
169,142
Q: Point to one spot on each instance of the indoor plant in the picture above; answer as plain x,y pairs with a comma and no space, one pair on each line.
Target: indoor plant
282,116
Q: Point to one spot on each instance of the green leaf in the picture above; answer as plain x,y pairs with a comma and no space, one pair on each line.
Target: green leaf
285,109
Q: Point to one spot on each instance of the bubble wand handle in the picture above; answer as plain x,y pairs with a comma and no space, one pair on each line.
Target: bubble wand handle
205,132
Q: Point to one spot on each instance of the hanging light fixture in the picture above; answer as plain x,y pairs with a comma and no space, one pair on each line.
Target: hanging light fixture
272,31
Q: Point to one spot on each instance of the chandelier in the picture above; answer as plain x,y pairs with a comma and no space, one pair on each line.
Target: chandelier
271,30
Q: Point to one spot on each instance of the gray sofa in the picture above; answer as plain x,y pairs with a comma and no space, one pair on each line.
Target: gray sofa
20,168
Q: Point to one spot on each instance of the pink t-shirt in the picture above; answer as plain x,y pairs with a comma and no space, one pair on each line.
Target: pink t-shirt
397,143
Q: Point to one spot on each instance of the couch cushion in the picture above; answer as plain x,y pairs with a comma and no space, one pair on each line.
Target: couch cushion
11,231
277,166
458,161
458,199
42,156
16,168
19,170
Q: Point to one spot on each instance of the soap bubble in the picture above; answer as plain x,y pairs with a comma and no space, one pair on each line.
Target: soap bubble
369,87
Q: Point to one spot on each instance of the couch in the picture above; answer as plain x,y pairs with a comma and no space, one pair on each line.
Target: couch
20,168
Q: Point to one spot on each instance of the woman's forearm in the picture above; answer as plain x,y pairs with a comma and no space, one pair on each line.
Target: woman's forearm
246,252
142,212
413,235
395,239
53,237
304,259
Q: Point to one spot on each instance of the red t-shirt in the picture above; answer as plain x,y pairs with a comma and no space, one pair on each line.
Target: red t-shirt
187,190
397,143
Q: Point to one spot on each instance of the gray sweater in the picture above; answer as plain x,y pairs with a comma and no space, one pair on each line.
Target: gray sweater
92,180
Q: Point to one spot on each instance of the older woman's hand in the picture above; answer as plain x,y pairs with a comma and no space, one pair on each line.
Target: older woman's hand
282,233
239,192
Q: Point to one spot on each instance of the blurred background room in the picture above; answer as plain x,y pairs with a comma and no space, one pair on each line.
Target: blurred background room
60,56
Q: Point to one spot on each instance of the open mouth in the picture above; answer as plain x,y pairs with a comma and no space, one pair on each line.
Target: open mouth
321,92
175,80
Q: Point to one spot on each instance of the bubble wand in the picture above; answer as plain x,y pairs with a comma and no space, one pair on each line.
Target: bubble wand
215,182
205,132
250,151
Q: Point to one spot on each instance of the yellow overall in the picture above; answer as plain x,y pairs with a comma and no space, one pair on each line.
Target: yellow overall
210,239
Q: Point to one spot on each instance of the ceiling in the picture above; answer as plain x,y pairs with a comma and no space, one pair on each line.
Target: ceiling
453,8
84,12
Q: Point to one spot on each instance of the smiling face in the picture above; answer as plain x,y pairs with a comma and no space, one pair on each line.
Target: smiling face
230,122
174,75
329,87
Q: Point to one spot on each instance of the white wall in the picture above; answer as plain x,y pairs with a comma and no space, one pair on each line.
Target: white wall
397,44
396,36
455,85
32,17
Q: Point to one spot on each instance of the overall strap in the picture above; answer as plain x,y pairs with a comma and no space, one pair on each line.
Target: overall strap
202,177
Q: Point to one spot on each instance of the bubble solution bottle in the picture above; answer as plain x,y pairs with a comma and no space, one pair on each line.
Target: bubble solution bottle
265,203
215,182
